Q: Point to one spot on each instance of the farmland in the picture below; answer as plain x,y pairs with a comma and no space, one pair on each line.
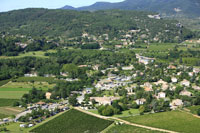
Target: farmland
15,90
174,120
2,116
73,121
128,129
6,102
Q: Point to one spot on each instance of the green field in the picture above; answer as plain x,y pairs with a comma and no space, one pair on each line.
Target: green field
193,109
25,86
73,121
39,54
10,110
15,90
3,116
7,102
3,82
127,113
36,79
128,129
174,120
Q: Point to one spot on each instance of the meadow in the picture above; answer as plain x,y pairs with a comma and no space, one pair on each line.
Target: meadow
39,54
73,121
193,109
128,129
174,121
7,102
36,79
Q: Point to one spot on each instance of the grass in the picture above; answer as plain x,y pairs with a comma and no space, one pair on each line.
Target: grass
7,102
39,54
3,82
10,110
161,47
36,79
193,109
73,121
15,128
12,94
174,120
25,86
128,129
128,113
3,116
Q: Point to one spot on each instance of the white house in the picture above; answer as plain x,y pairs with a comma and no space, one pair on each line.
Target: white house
174,80
161,95
140,101
104,100
185,83
185,93
176,103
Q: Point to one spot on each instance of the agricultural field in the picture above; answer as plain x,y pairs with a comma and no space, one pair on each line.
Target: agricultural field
7,102
3,116
174,120
10,110
15,90
73,121
36,79
128,129
39,54
131,112
3,82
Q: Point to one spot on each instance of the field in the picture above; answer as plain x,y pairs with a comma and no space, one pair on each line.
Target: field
174,120
193,109
127,113
39,54
128,129
36,79
3,82
15,90
7,102
10,110
73,121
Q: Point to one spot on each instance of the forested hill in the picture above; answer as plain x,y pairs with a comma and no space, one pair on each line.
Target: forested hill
69,24
170,8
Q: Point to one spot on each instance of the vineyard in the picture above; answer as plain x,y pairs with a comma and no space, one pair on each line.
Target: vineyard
73,121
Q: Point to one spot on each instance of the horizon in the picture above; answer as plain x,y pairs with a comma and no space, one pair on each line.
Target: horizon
9,5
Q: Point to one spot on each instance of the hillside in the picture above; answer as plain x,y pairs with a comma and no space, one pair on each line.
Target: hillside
68,25
169,8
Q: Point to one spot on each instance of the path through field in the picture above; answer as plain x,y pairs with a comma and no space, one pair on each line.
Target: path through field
126,122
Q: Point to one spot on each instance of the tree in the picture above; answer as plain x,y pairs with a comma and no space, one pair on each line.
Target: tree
198,111
72,100
141,110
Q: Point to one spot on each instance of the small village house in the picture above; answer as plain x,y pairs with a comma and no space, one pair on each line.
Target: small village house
48,95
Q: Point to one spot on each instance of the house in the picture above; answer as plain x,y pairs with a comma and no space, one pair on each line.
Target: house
41,103
164,85
161,95
147,86
96,67
185,93
31,74
174,80
144,60
176,103
128,67
196,87
22,125
185,83
171,67
191,74
104,100
48,95
140,101
88,90
196,70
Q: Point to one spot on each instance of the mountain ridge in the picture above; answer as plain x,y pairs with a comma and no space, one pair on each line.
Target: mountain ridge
167,8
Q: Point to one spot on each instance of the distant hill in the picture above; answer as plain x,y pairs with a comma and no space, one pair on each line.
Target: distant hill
168,8
68,24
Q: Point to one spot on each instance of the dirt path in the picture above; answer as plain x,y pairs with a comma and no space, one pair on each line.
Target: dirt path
126,122
186,111
12,109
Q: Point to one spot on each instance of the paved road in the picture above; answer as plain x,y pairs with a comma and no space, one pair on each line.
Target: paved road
126,122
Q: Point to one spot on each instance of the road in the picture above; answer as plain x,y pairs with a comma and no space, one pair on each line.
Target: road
126,122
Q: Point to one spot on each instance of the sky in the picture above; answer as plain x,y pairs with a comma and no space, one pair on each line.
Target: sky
7,5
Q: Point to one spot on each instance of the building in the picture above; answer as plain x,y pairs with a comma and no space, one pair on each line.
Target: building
140,101
48,95
185,83
128,67
174,80
144,60
161,95
104,100
196,70
185,93
88,90
176,103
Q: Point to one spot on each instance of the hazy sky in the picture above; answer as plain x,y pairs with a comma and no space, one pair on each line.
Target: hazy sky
6,5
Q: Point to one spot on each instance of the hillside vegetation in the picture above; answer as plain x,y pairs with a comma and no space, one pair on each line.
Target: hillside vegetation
70,24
